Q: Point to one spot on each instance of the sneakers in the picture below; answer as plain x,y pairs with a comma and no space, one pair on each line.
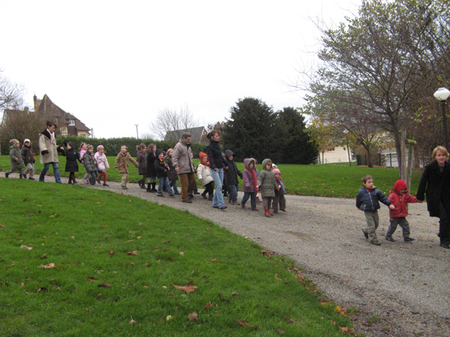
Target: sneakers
31,178
254,209
124,187
6,175
389,238
408,239
188,201
105,184
267,214
445,245
223,207
375,242
365,233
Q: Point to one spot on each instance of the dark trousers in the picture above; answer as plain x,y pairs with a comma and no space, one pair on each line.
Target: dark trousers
209,188
279,200
252,196
444,225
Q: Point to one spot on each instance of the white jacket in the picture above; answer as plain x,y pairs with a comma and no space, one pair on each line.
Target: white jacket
204,174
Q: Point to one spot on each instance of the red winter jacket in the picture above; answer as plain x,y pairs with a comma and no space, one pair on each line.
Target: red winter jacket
400,201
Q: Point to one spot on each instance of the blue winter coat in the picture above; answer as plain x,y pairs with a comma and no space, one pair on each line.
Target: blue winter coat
369,201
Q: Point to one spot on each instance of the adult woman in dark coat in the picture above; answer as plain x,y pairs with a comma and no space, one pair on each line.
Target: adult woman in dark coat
216,164
435,183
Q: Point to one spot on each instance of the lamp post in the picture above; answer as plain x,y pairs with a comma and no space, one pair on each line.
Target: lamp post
137,134
442,94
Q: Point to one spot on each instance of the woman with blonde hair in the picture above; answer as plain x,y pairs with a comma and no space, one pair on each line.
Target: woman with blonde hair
435,184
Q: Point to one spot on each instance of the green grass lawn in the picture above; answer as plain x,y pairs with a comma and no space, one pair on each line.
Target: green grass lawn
86,262
329,180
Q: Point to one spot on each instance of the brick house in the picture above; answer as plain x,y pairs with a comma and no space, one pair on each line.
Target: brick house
67,123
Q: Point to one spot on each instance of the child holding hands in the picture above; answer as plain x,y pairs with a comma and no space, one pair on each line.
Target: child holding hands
121,164
268,185
249,187
400,199
367,200
102,164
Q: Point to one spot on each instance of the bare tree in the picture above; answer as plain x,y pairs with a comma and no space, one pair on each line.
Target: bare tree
10,93
171,120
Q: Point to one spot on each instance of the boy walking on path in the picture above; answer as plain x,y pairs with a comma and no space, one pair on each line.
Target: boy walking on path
367,200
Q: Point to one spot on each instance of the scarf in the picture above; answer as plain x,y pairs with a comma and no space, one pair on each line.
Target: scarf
281,183
255,183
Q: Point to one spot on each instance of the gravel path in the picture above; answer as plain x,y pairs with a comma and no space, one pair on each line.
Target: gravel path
403,287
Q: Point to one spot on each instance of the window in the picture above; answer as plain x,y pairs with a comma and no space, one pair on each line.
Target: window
71,122
63,131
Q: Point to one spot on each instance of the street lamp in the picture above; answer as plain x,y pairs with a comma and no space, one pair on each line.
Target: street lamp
137,134
442,94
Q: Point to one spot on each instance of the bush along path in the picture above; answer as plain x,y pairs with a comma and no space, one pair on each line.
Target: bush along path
396,289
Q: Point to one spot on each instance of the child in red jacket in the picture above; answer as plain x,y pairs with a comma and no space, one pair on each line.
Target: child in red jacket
400,199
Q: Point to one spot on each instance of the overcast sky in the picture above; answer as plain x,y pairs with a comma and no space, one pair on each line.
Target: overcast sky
114,64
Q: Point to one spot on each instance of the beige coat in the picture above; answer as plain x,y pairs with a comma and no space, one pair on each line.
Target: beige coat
48,148
182,158
122,160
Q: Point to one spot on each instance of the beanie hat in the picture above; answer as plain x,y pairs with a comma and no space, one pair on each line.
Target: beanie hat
89,146
399,185
158,152
276,171
100,147
26,140
13,141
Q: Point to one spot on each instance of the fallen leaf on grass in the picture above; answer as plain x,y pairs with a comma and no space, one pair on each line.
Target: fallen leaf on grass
87,309
288,320
26,247
133,253
193,317
2,226
169,317
42,289
187,289
47,266
132,322
280,331
207,305
244,323
104,285
91,278
111,253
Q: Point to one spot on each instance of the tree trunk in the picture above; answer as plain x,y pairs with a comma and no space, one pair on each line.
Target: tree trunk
402,165
398,150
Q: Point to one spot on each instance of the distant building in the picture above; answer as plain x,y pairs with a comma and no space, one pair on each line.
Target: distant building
337,155
67,123
198,135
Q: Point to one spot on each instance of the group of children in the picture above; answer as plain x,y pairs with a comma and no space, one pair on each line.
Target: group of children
368,200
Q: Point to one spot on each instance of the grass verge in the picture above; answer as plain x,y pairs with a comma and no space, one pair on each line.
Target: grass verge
90,262
329,180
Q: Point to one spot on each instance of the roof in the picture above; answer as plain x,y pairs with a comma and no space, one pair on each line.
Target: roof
198,134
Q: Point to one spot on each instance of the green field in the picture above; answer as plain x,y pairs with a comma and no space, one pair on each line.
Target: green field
88,262
329,180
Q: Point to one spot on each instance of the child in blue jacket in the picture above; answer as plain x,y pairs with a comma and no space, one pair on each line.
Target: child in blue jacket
367,200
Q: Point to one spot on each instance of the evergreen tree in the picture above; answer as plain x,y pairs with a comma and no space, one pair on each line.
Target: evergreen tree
252,131
298,146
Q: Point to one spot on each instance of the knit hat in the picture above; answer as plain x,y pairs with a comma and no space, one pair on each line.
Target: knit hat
100,147
276,171
158,152
13,142
26,140
89,146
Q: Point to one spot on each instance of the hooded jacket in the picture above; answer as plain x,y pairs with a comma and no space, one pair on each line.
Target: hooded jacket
27,155
16,158
400,201
203,171
266,180
232,172
248,185
215,155
369,200
89,162
161,166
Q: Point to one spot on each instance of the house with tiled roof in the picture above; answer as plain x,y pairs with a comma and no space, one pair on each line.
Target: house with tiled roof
67,123
198,135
